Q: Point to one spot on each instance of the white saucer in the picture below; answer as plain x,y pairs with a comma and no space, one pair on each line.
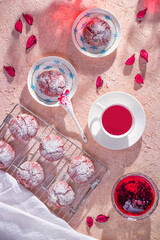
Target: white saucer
110,99
50,63
83,19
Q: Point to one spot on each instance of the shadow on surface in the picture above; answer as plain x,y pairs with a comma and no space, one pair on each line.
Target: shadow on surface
126,229
55,116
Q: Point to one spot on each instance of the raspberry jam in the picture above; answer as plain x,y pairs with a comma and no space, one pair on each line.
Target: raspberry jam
134,195
117,120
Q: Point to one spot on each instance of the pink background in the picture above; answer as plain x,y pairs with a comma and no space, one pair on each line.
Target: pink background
52,27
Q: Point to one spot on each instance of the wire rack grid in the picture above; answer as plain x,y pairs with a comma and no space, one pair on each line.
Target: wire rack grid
54,171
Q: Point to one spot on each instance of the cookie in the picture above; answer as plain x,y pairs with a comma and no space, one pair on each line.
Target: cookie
60,194
24,127
30,174
80,169
52,83
51,148
7,154
97,32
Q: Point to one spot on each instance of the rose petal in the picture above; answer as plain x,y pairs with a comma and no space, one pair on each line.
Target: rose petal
10,70
18,26
99,82
89,221
139,78
66,92
141,13
60,98
144,54
28,18
102,218
31,41
130,60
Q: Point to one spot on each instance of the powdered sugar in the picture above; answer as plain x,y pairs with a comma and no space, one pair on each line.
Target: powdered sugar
81,169
23,127
97,32
60,194
7,154
51,148
52,83
30,174
52,145
99,27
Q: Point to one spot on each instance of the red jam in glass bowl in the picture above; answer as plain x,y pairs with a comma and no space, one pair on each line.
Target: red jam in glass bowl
134,195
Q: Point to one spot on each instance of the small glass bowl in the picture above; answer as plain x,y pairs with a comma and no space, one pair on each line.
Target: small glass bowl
146,213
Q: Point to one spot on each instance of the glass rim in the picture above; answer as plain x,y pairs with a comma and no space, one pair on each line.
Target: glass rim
150,211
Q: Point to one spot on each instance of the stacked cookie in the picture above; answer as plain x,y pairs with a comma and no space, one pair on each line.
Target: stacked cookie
31,174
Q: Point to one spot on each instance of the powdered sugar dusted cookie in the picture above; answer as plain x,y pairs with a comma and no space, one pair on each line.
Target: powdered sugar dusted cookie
60,194
51,148
7,154
81,169
52,83
97,32
23,127
30,174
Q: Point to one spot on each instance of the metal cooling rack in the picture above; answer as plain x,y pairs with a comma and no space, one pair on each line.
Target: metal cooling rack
54,171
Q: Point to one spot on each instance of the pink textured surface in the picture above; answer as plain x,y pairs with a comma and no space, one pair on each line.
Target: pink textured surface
52,24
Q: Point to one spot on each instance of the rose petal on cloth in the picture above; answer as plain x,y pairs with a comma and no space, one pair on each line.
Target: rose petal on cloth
141,13
10,70
130,60
28,18
31,41
89,221
144,54
99,82
102,218
139,78
18,26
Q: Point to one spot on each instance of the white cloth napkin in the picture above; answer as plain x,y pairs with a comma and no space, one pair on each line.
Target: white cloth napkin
24,217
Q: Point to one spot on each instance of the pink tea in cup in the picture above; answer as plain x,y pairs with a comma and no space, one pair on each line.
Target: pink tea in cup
117,120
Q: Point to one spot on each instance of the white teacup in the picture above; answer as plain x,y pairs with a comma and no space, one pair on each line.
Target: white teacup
109,133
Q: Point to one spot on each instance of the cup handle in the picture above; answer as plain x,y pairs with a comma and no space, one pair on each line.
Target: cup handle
100,106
